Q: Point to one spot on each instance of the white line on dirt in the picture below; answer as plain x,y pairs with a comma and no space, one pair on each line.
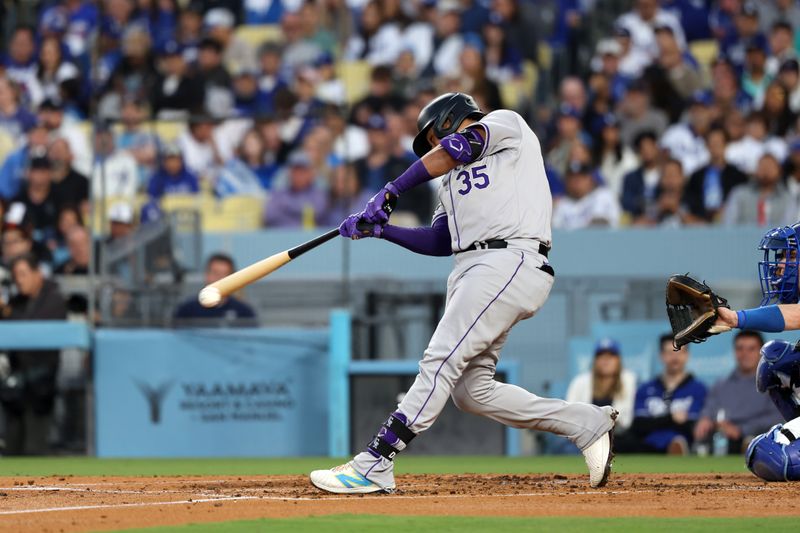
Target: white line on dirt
151,481
87,490
115,505
334,498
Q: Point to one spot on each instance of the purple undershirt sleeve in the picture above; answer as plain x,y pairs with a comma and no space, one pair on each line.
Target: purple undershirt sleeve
434,240
414,175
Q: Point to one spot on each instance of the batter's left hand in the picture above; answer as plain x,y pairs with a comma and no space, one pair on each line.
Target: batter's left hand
355,227
381,205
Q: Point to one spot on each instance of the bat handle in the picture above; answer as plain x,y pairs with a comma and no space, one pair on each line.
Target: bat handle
313,243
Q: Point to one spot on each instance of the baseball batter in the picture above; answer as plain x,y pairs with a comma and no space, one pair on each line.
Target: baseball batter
494,214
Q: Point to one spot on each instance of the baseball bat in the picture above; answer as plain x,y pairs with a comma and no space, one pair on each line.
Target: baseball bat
213,293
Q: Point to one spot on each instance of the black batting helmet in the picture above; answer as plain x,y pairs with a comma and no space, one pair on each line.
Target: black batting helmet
452,107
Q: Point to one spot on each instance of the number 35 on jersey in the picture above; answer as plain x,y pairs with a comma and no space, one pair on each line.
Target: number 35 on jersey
475,177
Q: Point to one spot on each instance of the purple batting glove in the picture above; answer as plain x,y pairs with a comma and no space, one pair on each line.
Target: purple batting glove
355,227
381,205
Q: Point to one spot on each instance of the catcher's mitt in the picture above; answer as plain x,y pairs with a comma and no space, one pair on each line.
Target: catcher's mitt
692,309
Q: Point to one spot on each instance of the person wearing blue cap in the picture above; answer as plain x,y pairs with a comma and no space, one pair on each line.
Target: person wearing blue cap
606,383
666,407
176,91
172,177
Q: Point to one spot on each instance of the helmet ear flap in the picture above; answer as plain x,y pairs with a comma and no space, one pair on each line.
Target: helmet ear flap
444,124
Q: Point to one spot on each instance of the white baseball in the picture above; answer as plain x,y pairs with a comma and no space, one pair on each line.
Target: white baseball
209,297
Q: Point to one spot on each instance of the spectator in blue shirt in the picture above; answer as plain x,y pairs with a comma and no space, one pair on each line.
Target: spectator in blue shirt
253,153
20,63
503,58
14,119
733,45
230,310
271,82
189,31
666,407
12,170
82,17
694,17
639,186
248,100
263,11
160,19
722,21
173,177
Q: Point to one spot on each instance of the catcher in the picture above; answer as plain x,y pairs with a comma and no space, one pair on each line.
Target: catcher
696,312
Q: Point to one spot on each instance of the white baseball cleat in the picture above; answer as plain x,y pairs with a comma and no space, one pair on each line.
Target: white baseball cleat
344,479
599,455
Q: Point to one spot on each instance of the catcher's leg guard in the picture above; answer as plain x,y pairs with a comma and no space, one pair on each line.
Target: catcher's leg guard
775,455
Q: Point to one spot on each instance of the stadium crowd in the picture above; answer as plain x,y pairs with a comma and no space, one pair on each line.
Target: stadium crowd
649,112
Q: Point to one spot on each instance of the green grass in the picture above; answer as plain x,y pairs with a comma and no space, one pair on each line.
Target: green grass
460,524
89,466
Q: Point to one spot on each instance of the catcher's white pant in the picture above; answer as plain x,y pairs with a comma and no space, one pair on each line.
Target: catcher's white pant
488,292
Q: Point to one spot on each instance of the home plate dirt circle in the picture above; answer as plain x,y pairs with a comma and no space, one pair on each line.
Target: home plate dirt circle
108,503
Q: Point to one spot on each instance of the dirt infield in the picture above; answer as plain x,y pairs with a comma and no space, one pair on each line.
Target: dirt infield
106,503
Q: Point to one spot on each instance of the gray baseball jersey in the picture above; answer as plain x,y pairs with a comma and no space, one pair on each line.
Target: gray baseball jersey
502,195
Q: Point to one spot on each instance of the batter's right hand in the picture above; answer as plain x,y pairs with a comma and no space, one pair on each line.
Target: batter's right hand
355,227
381,205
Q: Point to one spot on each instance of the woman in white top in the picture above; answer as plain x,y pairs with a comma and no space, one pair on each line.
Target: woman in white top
607,383
612,157
378,40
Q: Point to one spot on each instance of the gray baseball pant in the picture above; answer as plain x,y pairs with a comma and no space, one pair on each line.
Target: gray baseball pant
488,292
